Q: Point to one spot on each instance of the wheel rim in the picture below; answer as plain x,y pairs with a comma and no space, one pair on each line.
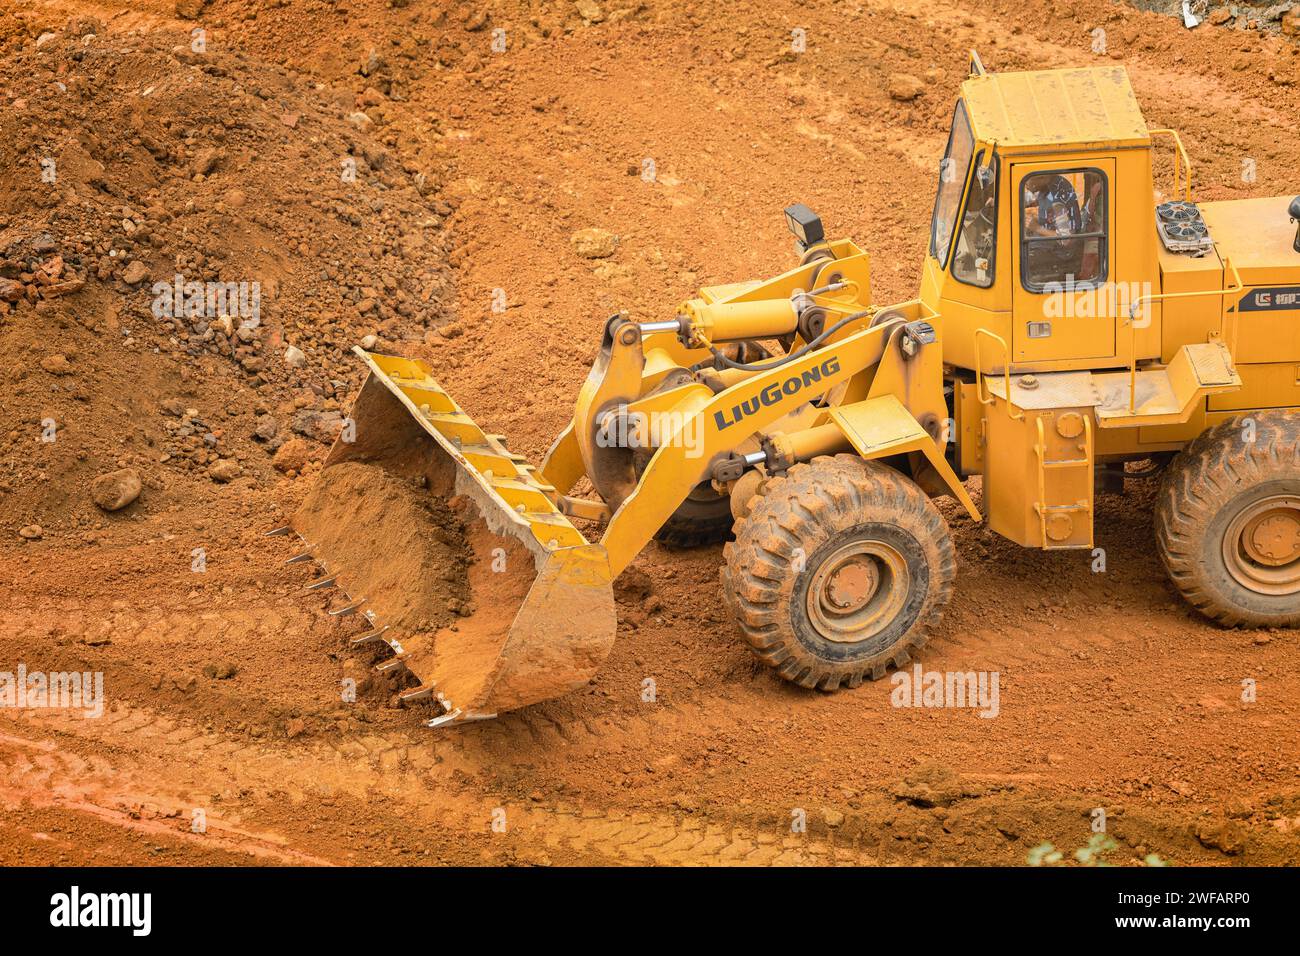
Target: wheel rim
857,590
1261,547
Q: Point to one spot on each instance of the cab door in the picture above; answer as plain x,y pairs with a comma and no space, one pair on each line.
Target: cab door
1062,304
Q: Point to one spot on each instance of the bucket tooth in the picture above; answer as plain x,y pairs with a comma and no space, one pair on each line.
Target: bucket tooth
278,532
348,609
392,664
457,716
369,636
300,558
445,719
329,582
417,693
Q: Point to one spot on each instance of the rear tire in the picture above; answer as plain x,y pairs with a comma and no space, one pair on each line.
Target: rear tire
841,569
1228,521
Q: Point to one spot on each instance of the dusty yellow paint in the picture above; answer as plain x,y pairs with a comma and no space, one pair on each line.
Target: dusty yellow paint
1076,108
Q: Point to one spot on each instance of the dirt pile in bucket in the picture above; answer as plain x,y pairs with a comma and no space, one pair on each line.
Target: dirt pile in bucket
682,750
391,543
429,571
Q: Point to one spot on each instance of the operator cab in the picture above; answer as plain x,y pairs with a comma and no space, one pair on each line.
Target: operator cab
1024,236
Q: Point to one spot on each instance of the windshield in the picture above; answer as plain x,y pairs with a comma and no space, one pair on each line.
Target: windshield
952,178
972,260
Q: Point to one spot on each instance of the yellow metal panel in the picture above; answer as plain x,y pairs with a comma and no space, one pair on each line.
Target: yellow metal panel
1081,107
716,293
1166,396
877,425
881,426
1038,475
1275,385
1257,236
1048,390
970,428
1189,321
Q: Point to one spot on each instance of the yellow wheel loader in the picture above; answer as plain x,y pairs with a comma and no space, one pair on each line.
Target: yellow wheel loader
1073,328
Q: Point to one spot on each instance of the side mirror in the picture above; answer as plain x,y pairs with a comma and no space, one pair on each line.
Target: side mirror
1295,217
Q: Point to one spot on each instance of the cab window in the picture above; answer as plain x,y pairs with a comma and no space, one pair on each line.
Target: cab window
1064,224
972,261
952,180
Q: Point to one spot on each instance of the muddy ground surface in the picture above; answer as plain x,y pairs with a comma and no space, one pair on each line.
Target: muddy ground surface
381,172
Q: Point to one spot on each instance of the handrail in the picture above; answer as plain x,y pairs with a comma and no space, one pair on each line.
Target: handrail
1187,163
1228,266
1006,373
1040,449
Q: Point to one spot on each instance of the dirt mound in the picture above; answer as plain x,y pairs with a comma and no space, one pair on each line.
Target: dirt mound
191,240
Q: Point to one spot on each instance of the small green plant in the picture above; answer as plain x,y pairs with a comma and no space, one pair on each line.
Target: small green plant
1094,854
1044,855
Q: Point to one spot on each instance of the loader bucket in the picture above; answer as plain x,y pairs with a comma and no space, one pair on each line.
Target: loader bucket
451,548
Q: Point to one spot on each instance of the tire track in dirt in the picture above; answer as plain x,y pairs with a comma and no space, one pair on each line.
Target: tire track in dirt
40,774
152,783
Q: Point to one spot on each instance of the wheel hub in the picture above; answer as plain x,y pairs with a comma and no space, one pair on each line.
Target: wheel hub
857,590
1261,547
851,585
1274,539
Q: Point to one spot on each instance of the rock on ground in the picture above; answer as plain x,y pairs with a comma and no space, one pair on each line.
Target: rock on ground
115,489
135,273
904,87
594,243
225,470
57,365
292,456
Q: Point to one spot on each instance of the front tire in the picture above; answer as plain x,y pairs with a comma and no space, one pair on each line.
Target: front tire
840,569
1228,521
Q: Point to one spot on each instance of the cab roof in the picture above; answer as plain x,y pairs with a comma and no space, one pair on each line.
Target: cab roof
1091,106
